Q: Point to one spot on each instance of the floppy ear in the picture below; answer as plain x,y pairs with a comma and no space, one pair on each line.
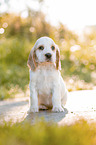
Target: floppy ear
58,63
32,60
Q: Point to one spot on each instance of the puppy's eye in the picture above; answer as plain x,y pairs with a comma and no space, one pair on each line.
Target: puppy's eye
52,47
41,47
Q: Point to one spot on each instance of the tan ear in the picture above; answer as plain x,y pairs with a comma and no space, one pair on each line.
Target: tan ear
58,63
32,60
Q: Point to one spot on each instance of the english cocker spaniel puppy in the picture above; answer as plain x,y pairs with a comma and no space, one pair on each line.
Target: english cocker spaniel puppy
47,88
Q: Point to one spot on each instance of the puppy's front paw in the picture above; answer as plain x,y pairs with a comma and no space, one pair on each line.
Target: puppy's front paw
33,109
58,109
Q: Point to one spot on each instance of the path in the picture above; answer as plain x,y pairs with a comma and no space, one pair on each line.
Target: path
80,104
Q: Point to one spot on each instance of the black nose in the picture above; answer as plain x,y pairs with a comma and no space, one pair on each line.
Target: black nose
48,55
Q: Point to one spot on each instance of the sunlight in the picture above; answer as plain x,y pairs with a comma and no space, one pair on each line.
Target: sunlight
74,14
1,30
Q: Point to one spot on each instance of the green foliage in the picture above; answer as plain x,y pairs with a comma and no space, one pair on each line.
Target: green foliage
30,28
13,66
42,133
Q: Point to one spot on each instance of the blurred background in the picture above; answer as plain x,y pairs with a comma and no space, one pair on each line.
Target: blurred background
71,24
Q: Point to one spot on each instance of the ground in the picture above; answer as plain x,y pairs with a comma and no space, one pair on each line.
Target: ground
80,104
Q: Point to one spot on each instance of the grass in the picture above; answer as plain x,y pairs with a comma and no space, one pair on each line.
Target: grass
43,133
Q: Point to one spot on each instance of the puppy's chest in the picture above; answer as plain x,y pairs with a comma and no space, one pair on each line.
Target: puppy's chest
45,81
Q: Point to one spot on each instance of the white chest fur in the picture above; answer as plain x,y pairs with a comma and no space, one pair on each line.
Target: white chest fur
44,79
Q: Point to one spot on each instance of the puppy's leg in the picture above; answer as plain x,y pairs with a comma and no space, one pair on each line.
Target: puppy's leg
33,98
64,98
64,93
56,99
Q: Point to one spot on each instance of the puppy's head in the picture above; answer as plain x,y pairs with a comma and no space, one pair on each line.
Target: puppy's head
44,50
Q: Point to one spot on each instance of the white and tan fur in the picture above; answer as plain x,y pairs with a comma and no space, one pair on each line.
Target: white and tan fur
47,87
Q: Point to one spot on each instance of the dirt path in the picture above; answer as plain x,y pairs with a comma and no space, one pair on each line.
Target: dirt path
80,104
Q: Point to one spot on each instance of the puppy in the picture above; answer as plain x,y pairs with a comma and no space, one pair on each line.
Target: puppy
47,88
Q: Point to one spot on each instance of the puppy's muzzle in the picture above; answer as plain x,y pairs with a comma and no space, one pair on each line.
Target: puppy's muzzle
48,55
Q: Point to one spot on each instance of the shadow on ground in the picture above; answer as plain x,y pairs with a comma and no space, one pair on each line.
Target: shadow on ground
46,115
